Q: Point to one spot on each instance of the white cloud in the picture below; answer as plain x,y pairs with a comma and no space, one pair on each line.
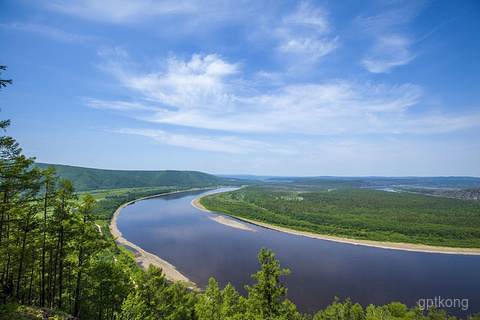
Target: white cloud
388,52
308,17
229,144
307,32
120,11
210,96
392,44
315,48
117,53
197,83
173,17
436,122
52,33
206,92
118,105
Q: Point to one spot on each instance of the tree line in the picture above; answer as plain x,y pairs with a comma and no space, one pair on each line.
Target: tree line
52,253
357,213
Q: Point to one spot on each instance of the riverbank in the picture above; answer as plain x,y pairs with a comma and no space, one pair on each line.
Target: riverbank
377,244
144,258
222,218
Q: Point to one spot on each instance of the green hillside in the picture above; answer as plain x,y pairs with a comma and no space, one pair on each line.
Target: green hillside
93,179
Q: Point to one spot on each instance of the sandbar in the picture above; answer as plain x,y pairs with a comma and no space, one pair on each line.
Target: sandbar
221,218
368,243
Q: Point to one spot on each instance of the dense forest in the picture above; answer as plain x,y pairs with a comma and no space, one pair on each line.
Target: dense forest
94,179
335,208
59,261
463,193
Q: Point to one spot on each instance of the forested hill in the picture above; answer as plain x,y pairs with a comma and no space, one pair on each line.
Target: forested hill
92,179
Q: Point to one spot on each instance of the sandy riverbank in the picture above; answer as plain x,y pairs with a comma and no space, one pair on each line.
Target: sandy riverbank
377,244
145,258
221,218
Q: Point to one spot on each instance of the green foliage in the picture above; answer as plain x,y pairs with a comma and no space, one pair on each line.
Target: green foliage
50,246
83,273
155,298
209,304
4,82
381,313
265,297
340,311
357,213
94,179
397,309
106,207
460,193
327,184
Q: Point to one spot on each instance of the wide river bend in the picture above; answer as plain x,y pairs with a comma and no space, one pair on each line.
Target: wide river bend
200,248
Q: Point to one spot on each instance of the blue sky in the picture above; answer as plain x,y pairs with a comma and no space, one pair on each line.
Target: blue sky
309,88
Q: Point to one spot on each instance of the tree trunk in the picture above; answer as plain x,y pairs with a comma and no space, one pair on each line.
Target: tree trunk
60,269
54,275
51,280
76,309
2,219
20,267
31,284
44,249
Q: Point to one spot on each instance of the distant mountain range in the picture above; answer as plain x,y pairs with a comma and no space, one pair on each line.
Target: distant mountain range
369,181
94,179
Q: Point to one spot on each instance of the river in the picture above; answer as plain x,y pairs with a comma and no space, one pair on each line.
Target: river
171,228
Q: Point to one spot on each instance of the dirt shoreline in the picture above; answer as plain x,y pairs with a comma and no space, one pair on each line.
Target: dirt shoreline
145,258
368,243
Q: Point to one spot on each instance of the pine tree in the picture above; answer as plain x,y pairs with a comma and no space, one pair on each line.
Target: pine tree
265,297
49,183
88,242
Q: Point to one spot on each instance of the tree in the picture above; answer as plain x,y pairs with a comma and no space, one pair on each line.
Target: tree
19,185
340,311
397,309
49,244
27,222
49,182
219,304
3,82
233,305
107,284
377,313
265,297
155,298
63,215
88,243
209,304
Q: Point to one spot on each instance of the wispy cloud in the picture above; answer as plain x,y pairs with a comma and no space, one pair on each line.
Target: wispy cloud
388,52
118,105
307,32
229,144
392,44
192,16
121,11
289,86
50,32
206,92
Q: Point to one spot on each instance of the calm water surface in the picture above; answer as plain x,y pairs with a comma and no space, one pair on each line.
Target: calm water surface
200,248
